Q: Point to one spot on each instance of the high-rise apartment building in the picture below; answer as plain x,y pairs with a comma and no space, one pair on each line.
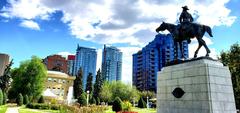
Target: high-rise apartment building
86,58
111,63
151,59
4,61
56,63
70,60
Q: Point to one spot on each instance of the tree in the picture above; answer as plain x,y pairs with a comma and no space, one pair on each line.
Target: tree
89,86
1,97
149,94
19,99
78,85
41,100
98,102
82,100
142,103
25,99
5,78
29,78
117,105
92,100
231,59
115,89
4,98
98,84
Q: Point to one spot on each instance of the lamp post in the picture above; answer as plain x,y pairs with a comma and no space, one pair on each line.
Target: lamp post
147,102
87,97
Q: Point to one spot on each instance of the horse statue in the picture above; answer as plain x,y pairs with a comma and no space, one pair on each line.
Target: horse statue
193,31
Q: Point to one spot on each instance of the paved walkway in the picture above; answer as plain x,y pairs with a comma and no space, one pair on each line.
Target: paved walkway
12,108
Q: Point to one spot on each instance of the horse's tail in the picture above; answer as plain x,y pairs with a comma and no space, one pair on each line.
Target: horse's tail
208,29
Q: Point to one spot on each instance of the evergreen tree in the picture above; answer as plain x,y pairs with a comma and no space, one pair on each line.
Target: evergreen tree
98,84
82,100
1,97
19,99
25,99
41,100
78,84
142,103
5,78
4,98
89,86
117,105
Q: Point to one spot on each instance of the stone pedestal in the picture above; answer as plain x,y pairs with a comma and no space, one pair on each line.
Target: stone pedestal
206,85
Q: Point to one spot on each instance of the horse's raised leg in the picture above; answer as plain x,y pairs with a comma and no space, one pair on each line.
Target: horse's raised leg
199,46
205,45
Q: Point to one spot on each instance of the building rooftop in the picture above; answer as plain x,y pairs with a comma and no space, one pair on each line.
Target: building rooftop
58,74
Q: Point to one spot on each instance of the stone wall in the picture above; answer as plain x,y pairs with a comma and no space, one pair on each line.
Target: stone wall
206,84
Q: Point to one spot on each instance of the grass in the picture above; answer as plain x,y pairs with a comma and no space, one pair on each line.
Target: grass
27,110
139,110
3,108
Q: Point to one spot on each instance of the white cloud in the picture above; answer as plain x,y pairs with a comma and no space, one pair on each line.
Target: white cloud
117,22
129,21
30,24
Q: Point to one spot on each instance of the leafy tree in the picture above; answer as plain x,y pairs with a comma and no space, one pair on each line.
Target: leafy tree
117,105
106,92
89,86
29,78
231,59
149,94
115,89
142,103
1,97
41,100
78,85
4,98
19,99
98,84
5,78
25,99
82,100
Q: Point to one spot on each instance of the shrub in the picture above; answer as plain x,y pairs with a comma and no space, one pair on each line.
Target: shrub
25,99
142,103
1,97
53,101
117,105
41,100
4,98
19,99
82,100
42,106
127,106
93,101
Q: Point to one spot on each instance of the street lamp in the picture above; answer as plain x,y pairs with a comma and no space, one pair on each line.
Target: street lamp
87,97
147,102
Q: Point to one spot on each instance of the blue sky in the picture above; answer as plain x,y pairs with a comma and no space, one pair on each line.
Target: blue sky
44,27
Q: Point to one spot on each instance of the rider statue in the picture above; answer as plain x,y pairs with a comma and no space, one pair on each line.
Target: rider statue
185,20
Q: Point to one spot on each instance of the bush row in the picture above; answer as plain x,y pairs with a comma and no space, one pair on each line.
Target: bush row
43,106
78,109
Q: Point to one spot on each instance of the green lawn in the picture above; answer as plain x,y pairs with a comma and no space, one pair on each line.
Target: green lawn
139,110
26,110
3,109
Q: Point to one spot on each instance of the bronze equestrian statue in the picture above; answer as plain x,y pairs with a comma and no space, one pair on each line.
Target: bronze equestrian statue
185,31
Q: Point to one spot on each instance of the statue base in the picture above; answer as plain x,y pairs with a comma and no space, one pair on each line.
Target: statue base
200,85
